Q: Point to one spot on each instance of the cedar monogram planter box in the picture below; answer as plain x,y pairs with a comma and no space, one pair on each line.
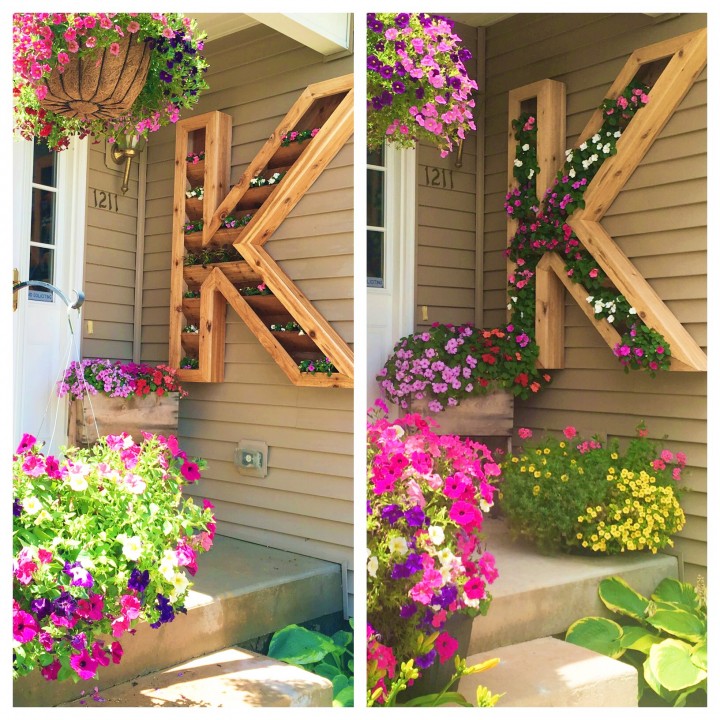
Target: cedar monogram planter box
489,415
156,414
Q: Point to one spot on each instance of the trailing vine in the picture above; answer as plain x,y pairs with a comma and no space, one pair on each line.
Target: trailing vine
542,228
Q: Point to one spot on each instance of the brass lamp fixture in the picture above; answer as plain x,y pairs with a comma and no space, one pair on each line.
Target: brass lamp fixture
124,149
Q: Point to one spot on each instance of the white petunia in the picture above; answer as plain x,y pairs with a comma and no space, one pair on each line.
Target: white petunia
436,534
372,566
132,548
398,545
445,556
31,505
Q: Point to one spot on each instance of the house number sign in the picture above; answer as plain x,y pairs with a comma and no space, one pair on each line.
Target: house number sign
104,200
439,177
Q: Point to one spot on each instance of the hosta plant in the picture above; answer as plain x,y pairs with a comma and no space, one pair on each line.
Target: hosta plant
102,539
664,637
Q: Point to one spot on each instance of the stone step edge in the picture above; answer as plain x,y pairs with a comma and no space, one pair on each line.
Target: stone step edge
547,672
232,677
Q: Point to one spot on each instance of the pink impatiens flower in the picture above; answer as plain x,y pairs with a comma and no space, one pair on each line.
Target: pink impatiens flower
569,432
525,433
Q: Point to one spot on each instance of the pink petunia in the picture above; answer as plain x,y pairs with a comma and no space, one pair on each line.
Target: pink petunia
50,672
475,588
190,471
25,627
116,652
525,433
446,646
84,665
130,607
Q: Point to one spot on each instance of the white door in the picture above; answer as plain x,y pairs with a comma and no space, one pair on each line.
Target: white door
390,256
48,242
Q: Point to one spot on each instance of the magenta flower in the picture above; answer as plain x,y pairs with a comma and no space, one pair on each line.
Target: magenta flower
50,672
446,646
25,627
84,665
190,471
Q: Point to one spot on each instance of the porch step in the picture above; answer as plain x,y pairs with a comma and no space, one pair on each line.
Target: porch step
232,677
552,673
241,591
538,595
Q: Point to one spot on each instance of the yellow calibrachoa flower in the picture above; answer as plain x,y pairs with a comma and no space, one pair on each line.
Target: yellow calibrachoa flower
546,451
536,490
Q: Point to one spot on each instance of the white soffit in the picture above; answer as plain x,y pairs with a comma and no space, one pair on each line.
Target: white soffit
217,25
328,33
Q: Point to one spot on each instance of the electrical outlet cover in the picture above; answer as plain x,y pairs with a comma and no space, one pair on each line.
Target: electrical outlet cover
251,458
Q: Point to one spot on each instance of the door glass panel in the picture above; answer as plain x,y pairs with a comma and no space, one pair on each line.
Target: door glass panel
375,258
376,218
43,222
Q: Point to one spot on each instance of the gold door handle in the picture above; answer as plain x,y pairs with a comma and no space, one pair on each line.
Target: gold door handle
16,280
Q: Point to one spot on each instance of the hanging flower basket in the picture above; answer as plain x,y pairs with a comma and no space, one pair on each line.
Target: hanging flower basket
103,75
102,85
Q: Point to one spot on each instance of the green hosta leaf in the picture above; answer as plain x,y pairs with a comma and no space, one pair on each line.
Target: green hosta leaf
327,671
638,638
300,646
598,634
673,591
680,623
619,597
699,655
342,638
345,698
671,663
339,683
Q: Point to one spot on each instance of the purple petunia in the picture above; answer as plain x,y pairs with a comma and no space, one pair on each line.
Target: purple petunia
166,612
42,607
139,580
17,508
425,661
64,606
398,87
80,576
407,611
415,517
391,513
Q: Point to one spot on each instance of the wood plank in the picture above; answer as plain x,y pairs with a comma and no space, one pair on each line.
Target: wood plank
237,271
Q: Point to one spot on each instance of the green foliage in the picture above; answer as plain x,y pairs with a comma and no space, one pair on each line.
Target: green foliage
330,657
664,637
564,493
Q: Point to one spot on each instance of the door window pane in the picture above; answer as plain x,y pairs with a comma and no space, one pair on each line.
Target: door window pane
43,221
375,258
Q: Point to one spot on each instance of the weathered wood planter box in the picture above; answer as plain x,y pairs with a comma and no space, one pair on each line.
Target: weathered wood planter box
157,414
482,415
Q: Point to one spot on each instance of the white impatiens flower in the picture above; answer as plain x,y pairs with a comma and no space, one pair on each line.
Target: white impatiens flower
606,148
589,298
518,163
611,318
398,545
599,146
132,547
31,505
632,311
571,172
525,147
617,134
596,137
436,534
583,146
530,174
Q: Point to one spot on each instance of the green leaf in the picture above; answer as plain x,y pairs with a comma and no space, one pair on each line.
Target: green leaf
671,663
434,699
635,637
680,623
699,655
619,597
598,634
671,590
342,638
339,683
300,646
325,670
345,698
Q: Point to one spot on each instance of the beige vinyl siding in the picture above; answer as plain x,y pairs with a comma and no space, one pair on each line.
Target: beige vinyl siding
110,244
659,221
446,226
304,504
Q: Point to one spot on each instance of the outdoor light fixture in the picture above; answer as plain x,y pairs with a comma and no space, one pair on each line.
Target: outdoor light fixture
124,149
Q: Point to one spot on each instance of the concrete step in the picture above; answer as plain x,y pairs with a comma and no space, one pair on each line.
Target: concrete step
552,673
241,591
232,677
538,595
